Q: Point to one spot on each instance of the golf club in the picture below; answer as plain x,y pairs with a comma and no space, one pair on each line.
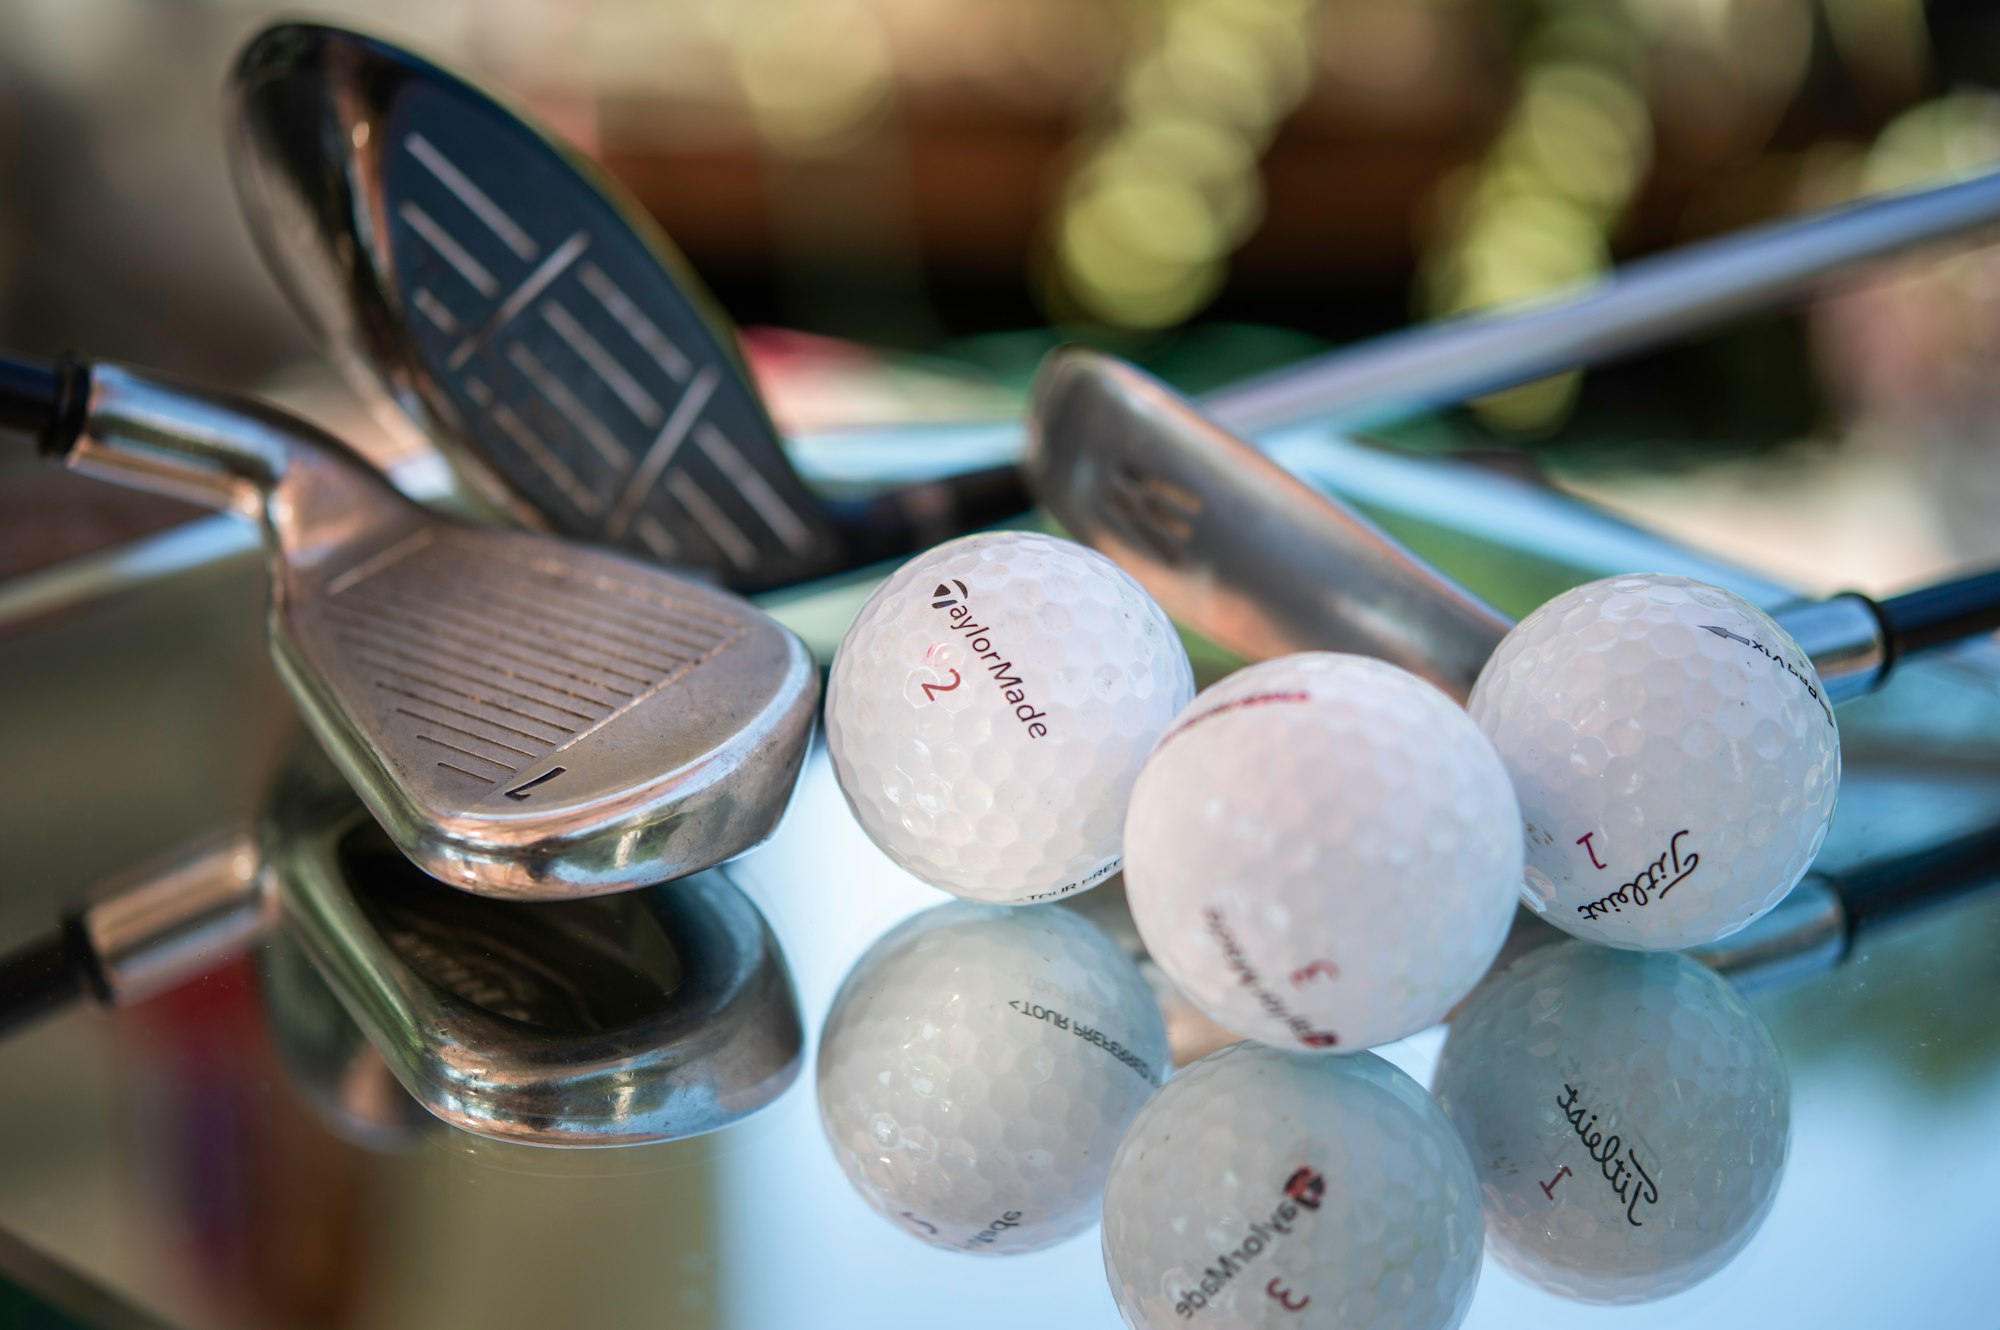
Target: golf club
520,307
328,1059
1239,549
1643,304
650,1016
525,717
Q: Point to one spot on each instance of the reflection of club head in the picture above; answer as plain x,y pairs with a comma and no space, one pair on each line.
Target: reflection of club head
335,1069
524,717
647,1016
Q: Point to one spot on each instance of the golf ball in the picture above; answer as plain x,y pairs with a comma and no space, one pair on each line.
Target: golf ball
978,1068
1265,1188
1675,757
989,709
1628,1116
1323,852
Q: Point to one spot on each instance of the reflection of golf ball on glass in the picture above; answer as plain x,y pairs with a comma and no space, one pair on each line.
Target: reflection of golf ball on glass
1323,853
1263,1188
1627,1114
1674,753
989,709
978,1068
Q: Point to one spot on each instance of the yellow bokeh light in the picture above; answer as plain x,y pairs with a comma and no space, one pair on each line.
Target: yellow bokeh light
817,76
1956,134
1588,134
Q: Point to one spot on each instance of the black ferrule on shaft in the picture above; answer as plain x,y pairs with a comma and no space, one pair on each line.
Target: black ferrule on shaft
1938,616
1880,893
45,977
47,401
921,515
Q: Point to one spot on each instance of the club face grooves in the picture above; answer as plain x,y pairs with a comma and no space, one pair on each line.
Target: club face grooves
539,721
505,296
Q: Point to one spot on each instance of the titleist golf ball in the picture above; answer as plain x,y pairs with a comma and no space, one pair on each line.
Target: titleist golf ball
1265,1188
978,1068
1323,852
1628,1116
989,709
1675,757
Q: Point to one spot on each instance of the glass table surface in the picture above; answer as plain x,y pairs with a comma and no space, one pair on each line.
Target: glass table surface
165,1154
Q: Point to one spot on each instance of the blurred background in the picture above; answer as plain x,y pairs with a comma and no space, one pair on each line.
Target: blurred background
905,203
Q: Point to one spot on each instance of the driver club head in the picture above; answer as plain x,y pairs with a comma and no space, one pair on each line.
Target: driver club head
517,305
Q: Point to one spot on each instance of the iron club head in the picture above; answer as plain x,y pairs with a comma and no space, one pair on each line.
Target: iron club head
649,1016
1230,542
1247,554
516,304
524,717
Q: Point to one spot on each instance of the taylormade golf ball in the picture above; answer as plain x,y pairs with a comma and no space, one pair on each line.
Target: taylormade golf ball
977,1069
1675,757
989,709
1628,1116
1265,1188
1323,853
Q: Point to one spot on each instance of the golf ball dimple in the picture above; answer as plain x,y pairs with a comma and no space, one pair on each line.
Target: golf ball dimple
978,1068
1628,1116
1674,753
1323,853
989,709
1269,1189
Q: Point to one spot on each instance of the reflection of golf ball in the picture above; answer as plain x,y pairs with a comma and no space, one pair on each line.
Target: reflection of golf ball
1263,1188
1323,852
1674,754
978,1068
1627,1115
990,707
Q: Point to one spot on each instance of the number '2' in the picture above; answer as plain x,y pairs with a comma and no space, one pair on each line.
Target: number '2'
931,690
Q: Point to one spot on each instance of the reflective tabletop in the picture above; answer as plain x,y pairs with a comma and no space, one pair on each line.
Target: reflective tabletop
173,1156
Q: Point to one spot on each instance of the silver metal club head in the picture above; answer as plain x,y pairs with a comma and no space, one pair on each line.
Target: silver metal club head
517,305
1239,549
652,1016
649,1016
1230,542
524,717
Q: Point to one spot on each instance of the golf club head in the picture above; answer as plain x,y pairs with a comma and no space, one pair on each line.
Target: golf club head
327,1057
525,717
1131,468
651,1016
514,303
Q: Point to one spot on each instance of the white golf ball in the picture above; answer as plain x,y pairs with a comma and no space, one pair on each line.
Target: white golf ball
989,709
1675,757
1264,1188
1323,853
978,1068
1628,1116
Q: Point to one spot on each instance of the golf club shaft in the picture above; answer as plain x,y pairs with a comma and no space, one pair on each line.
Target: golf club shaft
1643,304
148,432
145,931
1640,305
1827,916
